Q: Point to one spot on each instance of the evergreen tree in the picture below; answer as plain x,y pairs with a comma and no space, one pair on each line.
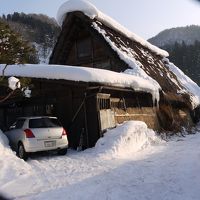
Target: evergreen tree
40,30
13,49
187,58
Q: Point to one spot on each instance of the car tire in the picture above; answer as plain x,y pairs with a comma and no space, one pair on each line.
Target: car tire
62,152
21,153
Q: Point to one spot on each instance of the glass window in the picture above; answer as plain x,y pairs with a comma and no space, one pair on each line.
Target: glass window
99,49
44,123
84,48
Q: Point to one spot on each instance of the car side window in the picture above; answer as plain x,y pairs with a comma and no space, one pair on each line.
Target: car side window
19,123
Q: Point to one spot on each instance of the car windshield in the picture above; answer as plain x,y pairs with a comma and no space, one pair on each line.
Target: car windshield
44,123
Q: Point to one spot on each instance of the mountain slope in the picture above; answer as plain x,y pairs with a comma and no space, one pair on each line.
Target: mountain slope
188,34
13,49
40,30
183,45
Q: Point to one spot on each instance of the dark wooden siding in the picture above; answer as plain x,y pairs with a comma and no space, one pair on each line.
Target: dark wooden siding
75,104
77,30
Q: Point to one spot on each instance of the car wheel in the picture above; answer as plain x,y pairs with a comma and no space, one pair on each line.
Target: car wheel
21,152
62,152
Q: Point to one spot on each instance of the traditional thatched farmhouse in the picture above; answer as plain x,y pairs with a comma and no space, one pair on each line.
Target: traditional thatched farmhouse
91,38
100,74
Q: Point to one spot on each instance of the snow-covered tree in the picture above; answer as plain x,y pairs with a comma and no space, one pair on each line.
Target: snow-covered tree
13,50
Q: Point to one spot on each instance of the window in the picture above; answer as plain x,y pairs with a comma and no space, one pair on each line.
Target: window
104,103
119,103
84,48
99,49
44,123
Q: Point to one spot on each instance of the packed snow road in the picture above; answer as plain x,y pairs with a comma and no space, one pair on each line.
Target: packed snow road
130,162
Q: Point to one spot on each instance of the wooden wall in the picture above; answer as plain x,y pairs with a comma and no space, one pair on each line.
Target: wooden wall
145,114
80,109
80,45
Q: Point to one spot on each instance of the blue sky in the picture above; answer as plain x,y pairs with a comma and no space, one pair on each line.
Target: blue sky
144,17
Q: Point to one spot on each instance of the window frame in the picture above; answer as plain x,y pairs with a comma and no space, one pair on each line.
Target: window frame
82,48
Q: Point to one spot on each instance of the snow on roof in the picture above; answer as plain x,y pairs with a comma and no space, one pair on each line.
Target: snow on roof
126,57
84,74
189,84
143,63
180,81
91,11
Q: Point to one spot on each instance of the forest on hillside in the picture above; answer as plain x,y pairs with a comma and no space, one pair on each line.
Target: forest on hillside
186,57
183,45
37,29
14,50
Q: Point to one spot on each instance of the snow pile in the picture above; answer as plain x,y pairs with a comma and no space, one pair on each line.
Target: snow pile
84,74
3,141
91,11
189,84
11,168
5,150
163,171
13,83
27,92
126,139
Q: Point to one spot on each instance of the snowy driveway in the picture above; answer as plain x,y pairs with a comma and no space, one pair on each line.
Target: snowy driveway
167,171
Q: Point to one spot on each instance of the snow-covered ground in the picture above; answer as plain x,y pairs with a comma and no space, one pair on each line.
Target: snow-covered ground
130,162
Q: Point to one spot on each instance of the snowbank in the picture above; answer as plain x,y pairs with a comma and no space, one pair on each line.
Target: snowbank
84,74
13,83
3,141
128,138
165,171
11,168
5,150
91,11
189,84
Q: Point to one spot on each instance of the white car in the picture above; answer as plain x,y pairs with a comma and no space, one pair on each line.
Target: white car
34,134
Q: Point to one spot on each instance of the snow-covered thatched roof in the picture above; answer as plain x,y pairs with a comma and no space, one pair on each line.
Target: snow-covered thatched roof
92,12
142,59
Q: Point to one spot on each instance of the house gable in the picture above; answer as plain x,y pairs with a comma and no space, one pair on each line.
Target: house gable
90,43
80,44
